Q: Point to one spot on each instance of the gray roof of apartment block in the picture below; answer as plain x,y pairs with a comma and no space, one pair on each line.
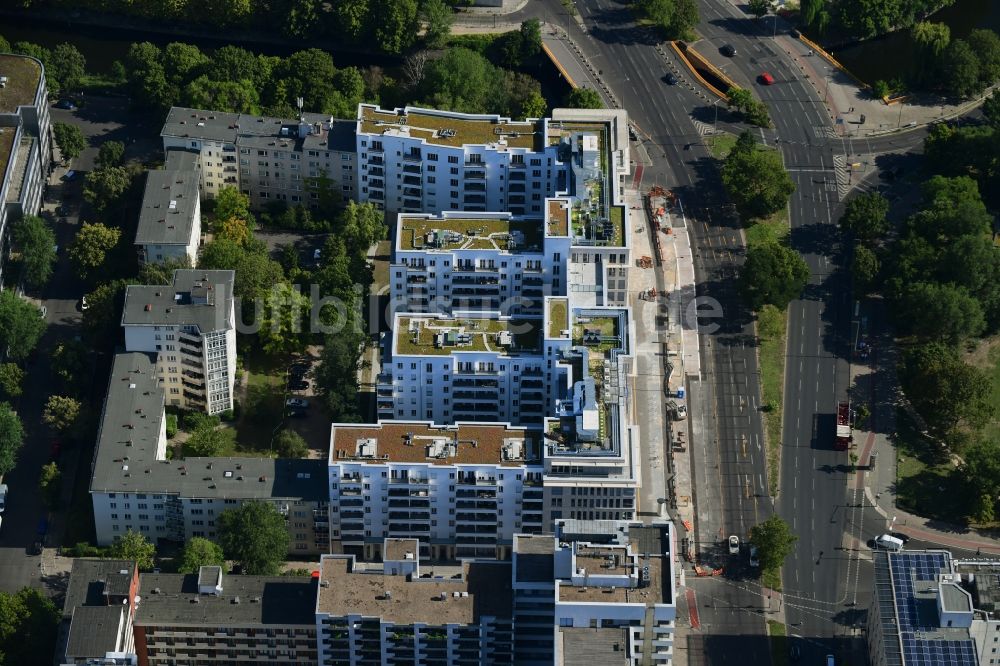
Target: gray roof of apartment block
196,298
260,131
168,206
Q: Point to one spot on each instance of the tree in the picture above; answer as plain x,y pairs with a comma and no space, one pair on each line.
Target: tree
200,552
89,250
11,379
774,541
66,68
583,98
336,377
209,439
675,17
110,154
981,474
864,270
758,7
281,325
70,140
256,273
866,216
61,412
233,229
773,274
102,318
289,444
50,485
147,79
133,546
756,182
11,438
104,186
960,70
254,535
437,16
37,244
945,390
21,325
70,362
986,45
808,11
933,311
29,625
395,23
231,203
462,80
991,109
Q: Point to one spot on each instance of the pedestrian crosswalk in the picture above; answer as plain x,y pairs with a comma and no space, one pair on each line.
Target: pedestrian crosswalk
704,129
824,132
842,170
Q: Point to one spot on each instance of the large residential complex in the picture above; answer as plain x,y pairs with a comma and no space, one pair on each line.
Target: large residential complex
135,486
170,219
190,326
929,608
25,142
268,159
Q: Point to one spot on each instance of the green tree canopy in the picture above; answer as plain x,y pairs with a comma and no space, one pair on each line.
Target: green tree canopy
774,540
461,80
866,216
960,69
437,16
583,98
395,23
289,444
21,325
62,413
945,390
200,552
90,249
284,323
183,62
231,203
756,182
102,318
29,625
37,244
50,485
110,154
70,365
254,535
675,17
70,140
208,438
11,437
66,68
758,7
102,187
11,380
773,274
991,109
864,270
133,546
981,474
985,44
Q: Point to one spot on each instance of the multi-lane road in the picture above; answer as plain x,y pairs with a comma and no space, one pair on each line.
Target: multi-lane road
823,576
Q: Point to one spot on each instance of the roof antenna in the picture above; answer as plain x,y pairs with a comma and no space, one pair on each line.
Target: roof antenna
298,103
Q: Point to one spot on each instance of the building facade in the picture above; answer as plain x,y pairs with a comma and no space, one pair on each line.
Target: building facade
98,612
25,140
190,326
459,491
134,486
271,160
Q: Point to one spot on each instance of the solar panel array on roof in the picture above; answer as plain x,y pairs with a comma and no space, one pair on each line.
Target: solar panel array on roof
916,613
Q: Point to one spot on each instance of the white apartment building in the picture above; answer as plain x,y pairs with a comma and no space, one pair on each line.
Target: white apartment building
170,217
392,614
25,140
462,490
190,326
135,486
271,160
460,260
591,457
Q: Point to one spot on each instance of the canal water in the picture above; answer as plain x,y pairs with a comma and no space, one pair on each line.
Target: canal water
893,55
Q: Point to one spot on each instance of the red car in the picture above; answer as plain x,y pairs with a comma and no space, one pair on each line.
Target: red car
766,79
55,449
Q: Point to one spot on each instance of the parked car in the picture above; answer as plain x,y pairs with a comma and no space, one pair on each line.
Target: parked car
297,403
766,79
728,50
3,497
83,303
888,542
70,175
754,560
734,545
670,79
298,385
296,413
899,535
55,449
66,104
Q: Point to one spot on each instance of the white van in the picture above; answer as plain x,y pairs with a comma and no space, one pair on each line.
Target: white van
830,660
889,542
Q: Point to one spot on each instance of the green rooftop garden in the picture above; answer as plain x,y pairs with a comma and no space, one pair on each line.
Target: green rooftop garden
429,127
466,335
558,316
468,234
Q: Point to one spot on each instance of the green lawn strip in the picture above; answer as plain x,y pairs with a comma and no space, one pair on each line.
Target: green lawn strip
720,144
380,276
771,578
263,407
992,430
925,483
779,643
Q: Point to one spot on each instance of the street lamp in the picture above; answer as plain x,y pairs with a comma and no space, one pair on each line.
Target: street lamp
899,120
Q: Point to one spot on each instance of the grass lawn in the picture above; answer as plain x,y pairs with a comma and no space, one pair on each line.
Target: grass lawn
779,643
774,229
771,579
263,406
925,484
380,276
993,429
720,144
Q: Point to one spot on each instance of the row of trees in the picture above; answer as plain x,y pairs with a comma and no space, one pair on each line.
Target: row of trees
65,66
863,19
391,26
959,67
676,18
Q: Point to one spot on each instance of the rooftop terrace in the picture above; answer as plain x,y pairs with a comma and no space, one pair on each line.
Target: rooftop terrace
449,233
23,77
448,129
428,336
468,444
558,316
557,220
7,149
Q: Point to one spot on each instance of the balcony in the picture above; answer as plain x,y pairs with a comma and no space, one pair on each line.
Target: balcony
477,481
413,157
377,183
412,167
384,378
413,180
477,517
475,187
411,192
376,171
410,515
410,480
407,528
473,199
